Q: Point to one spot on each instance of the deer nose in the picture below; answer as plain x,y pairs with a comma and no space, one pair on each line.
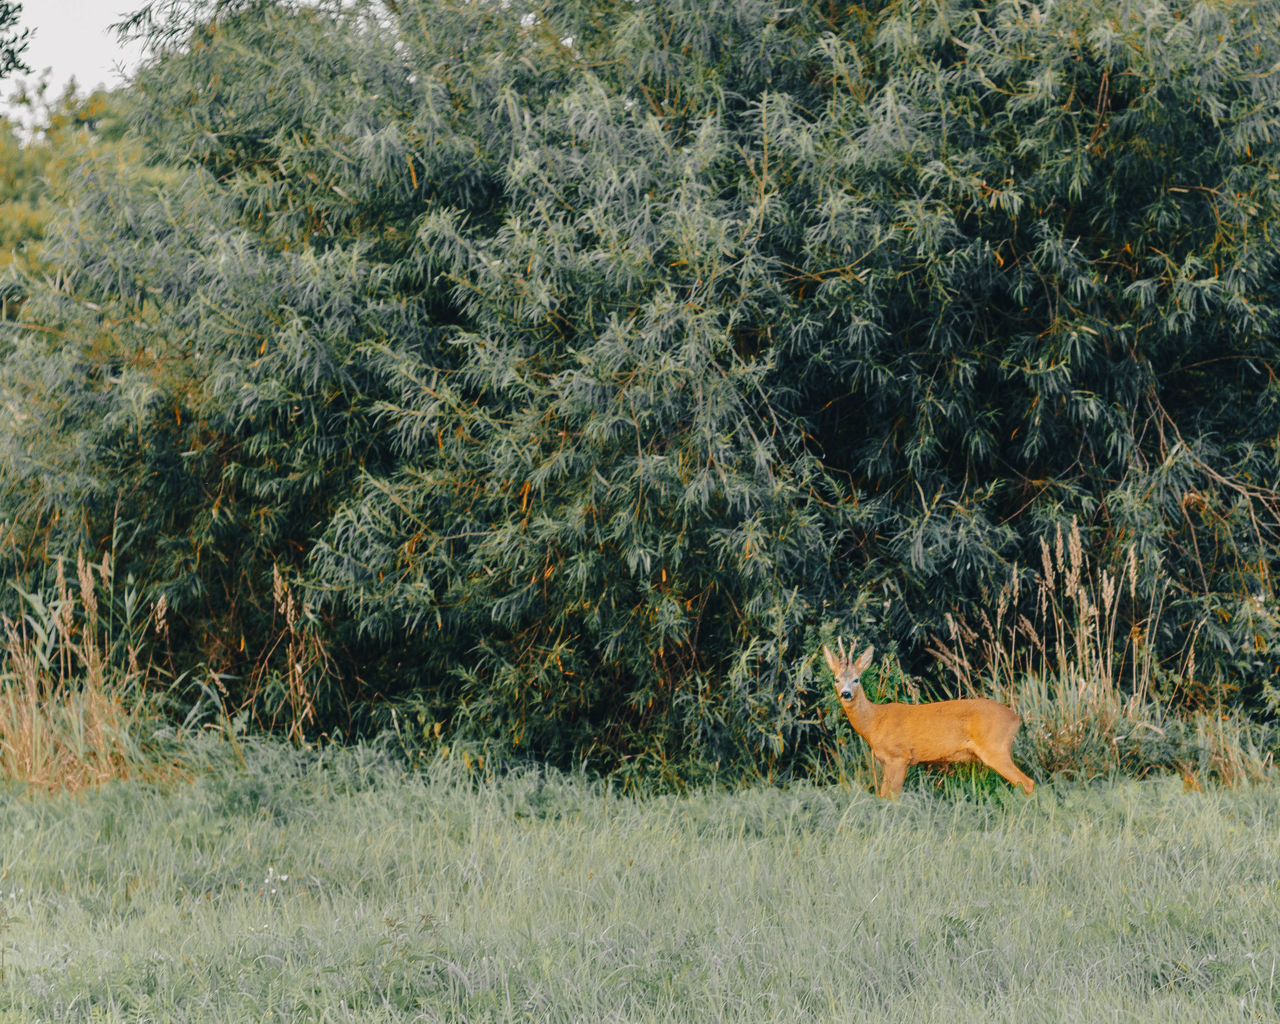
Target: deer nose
846,694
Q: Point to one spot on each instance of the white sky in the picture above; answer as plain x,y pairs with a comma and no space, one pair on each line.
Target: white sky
72,39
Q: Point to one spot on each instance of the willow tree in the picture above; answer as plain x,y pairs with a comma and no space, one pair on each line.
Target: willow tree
13,41
580,363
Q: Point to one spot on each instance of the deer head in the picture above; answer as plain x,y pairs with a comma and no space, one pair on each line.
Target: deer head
847,670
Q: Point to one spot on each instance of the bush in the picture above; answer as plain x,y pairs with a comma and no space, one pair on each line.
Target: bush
580,367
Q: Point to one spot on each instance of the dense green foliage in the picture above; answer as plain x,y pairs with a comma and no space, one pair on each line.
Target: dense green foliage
558,373
539,897
42,147
13,41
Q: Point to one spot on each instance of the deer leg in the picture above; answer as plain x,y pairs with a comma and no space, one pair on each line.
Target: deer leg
895,774
1003,764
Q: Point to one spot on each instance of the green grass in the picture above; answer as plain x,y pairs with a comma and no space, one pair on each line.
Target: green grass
333,888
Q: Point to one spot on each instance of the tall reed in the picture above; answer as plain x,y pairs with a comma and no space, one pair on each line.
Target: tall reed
75,703
1075,657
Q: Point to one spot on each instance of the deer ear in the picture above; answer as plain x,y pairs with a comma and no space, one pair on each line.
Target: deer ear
864,659
833,662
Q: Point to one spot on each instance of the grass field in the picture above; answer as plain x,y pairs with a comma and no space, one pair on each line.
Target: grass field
333,888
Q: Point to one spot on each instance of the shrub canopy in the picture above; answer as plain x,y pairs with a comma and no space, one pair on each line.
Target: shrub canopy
580,364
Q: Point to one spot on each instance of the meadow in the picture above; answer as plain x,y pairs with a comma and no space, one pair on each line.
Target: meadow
335,886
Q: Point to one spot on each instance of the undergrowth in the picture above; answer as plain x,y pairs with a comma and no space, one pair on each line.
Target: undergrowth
79,700
84,699
1094,698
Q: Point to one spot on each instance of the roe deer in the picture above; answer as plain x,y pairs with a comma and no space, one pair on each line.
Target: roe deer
899,735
